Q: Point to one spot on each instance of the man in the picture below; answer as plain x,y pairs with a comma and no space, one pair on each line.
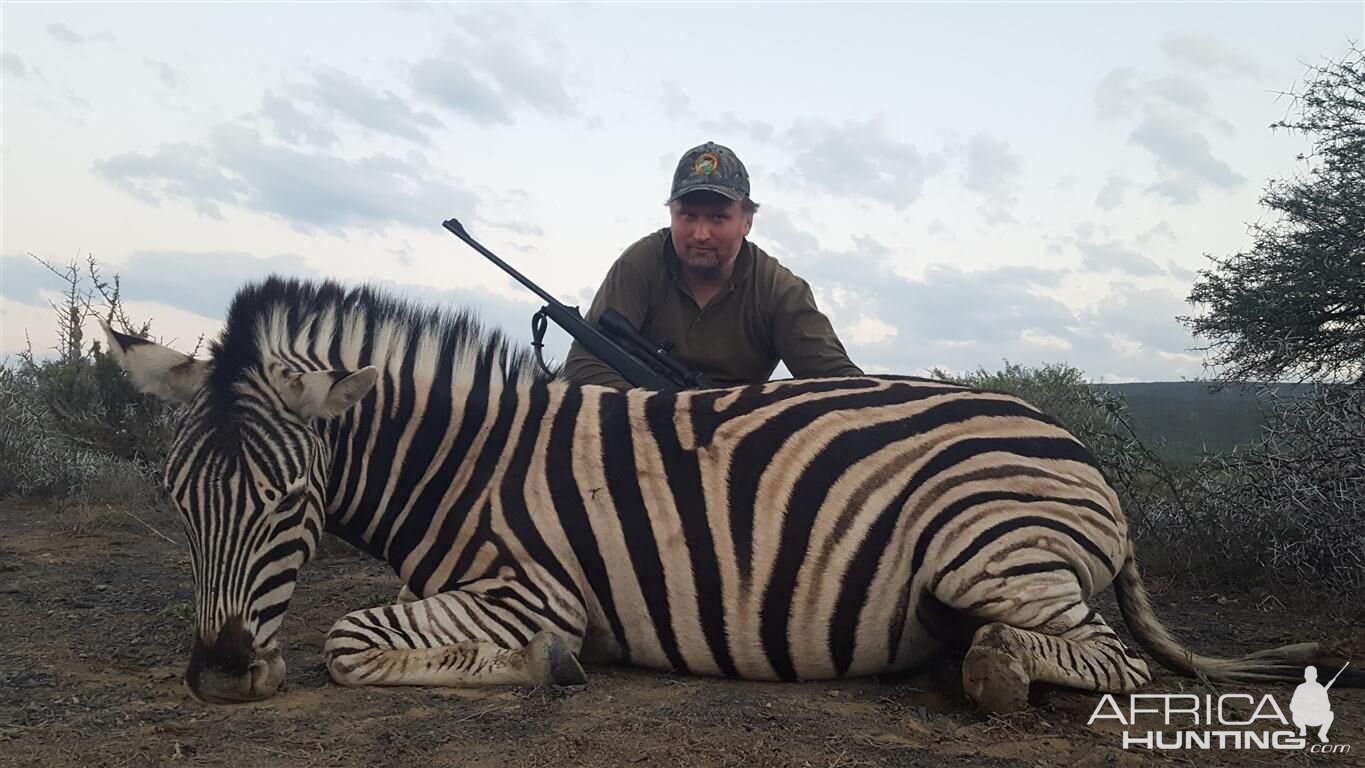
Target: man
700,288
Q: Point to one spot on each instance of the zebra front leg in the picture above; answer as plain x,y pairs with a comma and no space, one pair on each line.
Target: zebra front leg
457,639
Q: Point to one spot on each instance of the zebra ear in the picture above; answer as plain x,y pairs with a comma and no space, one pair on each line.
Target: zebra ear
156,369
327,394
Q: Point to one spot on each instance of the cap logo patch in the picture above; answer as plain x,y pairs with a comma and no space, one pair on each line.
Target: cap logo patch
706,164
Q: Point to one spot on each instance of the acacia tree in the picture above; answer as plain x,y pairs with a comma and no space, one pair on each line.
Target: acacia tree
1293,306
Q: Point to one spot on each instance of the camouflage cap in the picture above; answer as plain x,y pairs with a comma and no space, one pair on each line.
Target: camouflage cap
710,167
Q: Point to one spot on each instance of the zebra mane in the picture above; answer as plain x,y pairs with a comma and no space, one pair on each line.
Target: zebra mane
285,314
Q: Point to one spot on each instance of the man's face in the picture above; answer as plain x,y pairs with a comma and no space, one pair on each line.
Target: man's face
707,231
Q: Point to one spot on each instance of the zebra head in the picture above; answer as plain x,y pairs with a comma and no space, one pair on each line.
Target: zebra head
247,470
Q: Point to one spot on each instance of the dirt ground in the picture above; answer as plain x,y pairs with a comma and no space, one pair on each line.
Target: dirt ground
95,620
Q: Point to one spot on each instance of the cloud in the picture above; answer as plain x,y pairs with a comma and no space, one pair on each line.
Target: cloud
961,320
674,99
1167,114
1185,157
306,112
1116,93
1182,189
942,308
991,167
1044,278
1114,257
25,279
294,125
954,317
993,172
1145,315
1183,92
493,67
860,160
309,190
520,228
179,172
68,35
1181,273
11,64
74,99
1130,335
728,123
1162,229
201,282
1112,193
896,323
169,76
1124,92
341,94
1209,54
454,85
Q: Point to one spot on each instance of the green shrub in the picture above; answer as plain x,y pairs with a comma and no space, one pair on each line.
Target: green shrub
72,425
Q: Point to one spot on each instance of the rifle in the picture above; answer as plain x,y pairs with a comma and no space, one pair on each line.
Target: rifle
639,361
1338,674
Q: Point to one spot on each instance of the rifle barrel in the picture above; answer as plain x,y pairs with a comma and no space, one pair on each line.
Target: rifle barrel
1338,674
632,369
457,229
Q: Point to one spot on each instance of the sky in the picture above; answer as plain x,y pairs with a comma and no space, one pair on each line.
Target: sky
962,184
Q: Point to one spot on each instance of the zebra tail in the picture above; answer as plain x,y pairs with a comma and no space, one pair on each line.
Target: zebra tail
1282,664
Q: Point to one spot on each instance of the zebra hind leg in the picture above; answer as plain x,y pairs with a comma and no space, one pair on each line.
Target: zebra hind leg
1076,650
455,639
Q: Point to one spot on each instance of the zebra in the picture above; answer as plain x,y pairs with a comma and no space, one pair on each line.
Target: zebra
793,530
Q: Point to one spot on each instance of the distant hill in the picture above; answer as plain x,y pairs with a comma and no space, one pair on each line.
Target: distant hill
1192,418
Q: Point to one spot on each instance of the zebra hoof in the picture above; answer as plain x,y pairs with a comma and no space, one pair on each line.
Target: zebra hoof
995,681
550,661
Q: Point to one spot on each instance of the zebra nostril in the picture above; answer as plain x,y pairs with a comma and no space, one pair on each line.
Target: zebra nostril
267,673
257,676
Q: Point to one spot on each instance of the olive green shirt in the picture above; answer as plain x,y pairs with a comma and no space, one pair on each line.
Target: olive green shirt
765,315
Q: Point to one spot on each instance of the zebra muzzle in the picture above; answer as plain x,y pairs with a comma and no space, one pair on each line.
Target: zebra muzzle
260,678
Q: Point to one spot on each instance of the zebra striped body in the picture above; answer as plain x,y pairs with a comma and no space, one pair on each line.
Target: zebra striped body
792,530
793,534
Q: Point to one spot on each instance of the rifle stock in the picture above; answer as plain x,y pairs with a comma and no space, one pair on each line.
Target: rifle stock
639,361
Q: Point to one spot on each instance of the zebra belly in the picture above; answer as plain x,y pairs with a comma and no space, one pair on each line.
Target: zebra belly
749,643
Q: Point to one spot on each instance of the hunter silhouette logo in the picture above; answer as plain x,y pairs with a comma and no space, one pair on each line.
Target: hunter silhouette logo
1310,705
1221,721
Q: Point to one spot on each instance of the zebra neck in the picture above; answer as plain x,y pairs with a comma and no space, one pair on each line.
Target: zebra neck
409,474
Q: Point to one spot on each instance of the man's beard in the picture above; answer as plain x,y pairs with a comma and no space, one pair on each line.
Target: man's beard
708,272
709,267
